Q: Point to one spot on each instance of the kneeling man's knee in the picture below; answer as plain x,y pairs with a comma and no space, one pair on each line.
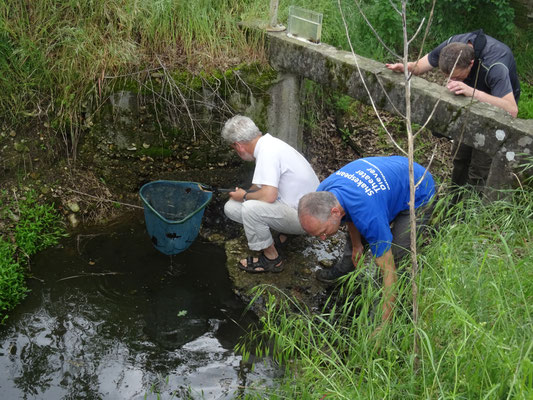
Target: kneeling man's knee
233,209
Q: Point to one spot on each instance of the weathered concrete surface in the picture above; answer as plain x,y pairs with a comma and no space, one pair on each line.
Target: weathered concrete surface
284,110
480,125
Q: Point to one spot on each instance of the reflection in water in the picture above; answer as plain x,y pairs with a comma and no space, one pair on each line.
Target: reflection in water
110,317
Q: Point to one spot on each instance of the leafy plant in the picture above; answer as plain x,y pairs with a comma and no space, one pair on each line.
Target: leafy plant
39,225
12,286
36,226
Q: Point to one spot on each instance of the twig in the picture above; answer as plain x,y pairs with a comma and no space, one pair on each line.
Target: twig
430,19
363,81
427,168
101,199
388,98
372,28
184,101
417,31
90,274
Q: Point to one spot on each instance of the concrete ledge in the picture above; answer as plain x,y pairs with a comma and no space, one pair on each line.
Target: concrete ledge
481,125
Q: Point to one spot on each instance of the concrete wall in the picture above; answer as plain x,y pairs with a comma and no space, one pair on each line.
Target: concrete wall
487,128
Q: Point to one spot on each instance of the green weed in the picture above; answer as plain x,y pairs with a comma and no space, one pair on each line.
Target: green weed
36,226
525,104
12,284
475,322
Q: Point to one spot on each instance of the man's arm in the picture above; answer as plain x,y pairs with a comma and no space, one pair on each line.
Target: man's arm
357,244
417,68
266,193
388,269
506,102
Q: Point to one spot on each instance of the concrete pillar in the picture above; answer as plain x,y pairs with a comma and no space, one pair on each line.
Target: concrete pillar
500,176
283,115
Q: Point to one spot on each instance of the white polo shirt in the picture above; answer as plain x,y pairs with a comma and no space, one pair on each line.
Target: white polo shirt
280,165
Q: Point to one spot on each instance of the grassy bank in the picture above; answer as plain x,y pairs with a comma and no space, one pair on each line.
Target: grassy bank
476,319
59,60
27,227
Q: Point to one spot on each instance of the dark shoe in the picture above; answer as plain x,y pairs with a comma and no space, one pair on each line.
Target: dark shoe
329,275
262,264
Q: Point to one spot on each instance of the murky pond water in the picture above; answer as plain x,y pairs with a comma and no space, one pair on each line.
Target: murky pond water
109,317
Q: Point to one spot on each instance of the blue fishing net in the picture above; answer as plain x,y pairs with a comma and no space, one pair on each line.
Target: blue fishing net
173,213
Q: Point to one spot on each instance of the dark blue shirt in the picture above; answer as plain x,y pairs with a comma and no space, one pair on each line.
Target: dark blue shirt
373,191
497,71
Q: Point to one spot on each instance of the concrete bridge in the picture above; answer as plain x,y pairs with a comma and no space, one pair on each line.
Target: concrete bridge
506,139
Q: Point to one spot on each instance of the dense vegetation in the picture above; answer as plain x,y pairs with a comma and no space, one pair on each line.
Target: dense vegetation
33,227
60,59
476,291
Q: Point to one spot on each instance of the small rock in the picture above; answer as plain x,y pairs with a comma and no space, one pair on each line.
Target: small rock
21,147
73,206
73,220
13,217
146,145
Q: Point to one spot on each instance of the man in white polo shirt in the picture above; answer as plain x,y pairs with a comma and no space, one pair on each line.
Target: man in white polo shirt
281,177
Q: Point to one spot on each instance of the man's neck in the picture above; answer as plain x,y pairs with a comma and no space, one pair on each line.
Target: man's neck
250,146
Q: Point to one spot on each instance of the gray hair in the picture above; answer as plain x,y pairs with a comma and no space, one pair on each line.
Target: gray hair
318,205
461,52
240,129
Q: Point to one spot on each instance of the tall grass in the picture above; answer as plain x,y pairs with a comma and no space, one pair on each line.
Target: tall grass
476,322
58,59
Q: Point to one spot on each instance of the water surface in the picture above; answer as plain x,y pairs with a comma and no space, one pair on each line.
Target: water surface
109,317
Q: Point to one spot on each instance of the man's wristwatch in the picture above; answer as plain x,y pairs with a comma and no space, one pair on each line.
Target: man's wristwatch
244,197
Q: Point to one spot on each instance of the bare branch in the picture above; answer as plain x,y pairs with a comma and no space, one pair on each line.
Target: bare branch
426,33
184,101
417,31
438,101
363,81
428,118
102,199
388,98
427,168
371,28
395,8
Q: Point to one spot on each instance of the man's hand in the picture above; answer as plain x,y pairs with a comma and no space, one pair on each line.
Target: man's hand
397,67
416,68
506,102
357,253
458,87
237,194
266,193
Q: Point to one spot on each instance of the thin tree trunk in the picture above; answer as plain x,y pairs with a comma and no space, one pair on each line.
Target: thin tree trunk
410,155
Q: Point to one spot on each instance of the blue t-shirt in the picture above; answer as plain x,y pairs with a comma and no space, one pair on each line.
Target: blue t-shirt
373,191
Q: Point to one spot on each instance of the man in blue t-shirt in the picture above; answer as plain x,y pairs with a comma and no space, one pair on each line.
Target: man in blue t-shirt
368,195
485,70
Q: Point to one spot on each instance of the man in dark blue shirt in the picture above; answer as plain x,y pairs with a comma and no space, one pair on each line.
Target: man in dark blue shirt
369,195
485,70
